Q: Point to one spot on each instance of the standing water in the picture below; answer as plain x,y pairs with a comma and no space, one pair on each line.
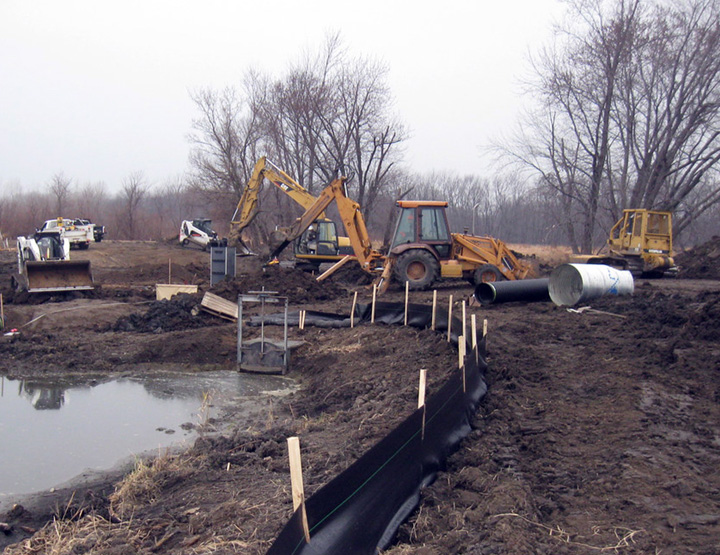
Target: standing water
51,431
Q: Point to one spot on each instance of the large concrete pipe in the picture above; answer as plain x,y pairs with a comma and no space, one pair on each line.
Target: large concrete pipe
571,284
526,290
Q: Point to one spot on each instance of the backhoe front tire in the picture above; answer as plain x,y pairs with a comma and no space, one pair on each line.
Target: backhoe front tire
487,273
418,267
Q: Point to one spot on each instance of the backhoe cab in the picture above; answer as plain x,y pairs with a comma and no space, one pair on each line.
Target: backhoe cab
423,249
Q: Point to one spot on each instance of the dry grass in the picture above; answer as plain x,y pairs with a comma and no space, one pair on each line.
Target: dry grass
91,535
545,254
143,485
624,537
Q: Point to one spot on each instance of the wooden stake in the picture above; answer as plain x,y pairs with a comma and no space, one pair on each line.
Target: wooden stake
352,311
421,388
432,325
464,319
473,326
461,359
372,312
484,327
169,270
296,481
2,313
421,400
407,292
301,323
461,351
473,330
449,318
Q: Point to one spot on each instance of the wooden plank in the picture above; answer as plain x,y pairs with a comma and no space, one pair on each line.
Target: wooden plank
334,268
218,306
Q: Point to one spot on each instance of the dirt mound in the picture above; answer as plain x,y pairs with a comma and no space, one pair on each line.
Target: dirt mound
178,313
351,274
298,286
700,262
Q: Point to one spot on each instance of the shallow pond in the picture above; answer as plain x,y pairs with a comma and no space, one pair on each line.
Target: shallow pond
51,431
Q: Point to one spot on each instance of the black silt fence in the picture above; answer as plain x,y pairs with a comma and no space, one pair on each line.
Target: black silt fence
361,509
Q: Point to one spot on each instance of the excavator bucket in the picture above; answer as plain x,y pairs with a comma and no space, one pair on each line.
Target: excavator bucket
58,275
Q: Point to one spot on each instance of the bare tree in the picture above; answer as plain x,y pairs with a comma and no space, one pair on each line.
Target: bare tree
60,189
630,112
225,140
134,190
326,114
91,201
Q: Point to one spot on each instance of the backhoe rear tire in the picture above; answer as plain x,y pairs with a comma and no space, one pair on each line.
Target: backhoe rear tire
418,267
488,273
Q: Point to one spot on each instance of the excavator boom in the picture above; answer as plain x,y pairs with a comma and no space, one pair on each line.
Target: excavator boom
353,221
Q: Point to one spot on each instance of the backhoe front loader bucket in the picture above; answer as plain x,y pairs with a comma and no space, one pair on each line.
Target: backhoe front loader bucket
58,275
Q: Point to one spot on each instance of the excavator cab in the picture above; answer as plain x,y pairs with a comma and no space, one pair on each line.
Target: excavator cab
319,239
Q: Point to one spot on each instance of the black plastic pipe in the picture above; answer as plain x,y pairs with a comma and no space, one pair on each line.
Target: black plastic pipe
526,290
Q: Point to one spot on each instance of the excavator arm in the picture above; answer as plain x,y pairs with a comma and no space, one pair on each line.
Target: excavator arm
353,221
249,205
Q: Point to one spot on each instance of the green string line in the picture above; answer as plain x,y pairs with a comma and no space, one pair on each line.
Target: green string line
395,454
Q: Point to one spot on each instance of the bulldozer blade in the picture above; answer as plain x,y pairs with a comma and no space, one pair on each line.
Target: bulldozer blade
58,275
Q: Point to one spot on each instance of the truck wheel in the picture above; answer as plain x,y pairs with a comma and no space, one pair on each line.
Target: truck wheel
418,267
487,273
184,242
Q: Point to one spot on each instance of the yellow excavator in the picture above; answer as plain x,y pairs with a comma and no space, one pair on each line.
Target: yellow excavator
423,249
317,244
641,242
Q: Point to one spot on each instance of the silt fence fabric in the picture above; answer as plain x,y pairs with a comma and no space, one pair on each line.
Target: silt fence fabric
361,509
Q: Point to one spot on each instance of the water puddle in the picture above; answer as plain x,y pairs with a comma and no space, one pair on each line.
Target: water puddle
51,431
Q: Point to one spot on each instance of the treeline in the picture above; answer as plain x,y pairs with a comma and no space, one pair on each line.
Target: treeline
506,208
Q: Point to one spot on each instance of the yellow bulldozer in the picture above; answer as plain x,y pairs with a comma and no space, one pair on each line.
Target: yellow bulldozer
640,242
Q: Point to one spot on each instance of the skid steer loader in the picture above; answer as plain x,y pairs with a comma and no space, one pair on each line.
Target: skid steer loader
44,265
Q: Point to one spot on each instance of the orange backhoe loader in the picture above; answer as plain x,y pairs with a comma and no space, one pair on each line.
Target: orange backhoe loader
423,248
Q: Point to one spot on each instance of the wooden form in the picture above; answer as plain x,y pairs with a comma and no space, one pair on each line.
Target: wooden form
165,291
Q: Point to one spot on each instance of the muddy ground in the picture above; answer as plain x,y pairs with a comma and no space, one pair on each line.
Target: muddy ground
600,431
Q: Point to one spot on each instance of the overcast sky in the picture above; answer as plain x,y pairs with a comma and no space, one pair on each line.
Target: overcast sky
98,89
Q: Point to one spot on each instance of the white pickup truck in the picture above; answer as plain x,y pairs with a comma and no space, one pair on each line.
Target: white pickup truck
79,234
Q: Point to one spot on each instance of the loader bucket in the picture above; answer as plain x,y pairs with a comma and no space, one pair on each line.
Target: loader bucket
58,275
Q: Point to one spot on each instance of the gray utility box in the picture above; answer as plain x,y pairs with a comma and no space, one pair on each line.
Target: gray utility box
222,264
